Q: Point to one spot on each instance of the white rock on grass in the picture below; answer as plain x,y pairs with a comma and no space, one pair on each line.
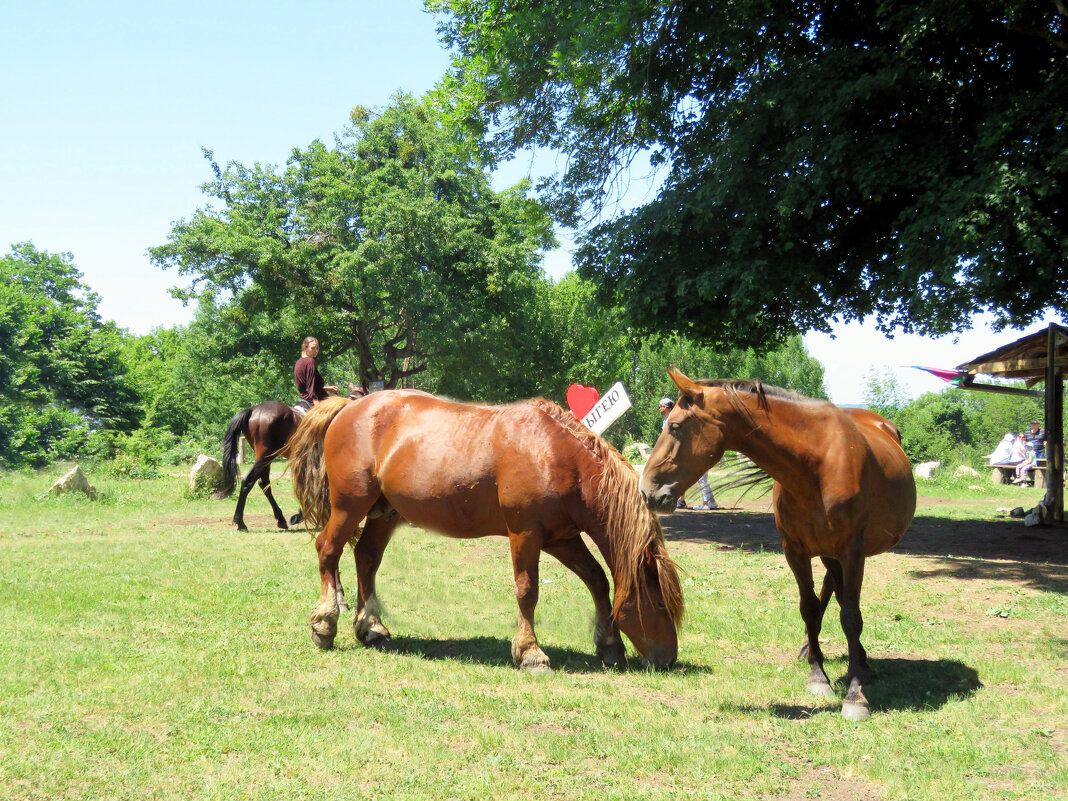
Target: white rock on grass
206,474
74,481
927,469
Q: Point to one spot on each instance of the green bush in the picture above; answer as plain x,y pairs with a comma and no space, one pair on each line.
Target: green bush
37,437
934,428
138,454
185,451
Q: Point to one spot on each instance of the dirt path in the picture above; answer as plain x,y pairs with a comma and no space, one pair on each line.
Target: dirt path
1000,548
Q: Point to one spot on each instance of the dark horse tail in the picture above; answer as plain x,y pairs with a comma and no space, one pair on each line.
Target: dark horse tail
231,439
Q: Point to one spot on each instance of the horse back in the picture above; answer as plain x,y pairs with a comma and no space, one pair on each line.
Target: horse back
464,470
869,420
270,426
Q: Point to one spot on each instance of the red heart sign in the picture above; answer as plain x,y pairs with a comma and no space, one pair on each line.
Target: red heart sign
580,399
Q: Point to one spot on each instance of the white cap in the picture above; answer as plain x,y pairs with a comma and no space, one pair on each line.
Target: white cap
667,402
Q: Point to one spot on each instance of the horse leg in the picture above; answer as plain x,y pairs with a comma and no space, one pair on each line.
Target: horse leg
342,604
826,591
864,670
367,623
575,556
855,706
246,486
330,544
801,565
526,549
265,485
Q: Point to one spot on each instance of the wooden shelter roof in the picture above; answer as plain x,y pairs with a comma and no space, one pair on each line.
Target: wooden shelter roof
1025,358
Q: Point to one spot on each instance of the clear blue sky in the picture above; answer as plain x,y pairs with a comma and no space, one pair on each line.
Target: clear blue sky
105,109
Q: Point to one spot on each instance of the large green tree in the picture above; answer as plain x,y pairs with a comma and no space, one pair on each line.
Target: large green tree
61,371
390,246
822,160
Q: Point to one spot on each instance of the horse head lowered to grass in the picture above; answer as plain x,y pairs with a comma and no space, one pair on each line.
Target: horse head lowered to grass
528,471
843,491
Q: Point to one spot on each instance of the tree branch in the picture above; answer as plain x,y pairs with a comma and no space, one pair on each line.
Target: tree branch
1038,33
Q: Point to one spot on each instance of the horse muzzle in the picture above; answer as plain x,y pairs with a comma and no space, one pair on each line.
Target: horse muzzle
661,500
660,658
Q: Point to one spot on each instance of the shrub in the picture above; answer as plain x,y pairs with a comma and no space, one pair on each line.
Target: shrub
632,454
935,427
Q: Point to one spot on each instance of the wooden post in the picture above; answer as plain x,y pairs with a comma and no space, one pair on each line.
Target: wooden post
1054,500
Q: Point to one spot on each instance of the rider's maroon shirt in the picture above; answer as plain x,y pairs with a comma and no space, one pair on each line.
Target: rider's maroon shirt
309,383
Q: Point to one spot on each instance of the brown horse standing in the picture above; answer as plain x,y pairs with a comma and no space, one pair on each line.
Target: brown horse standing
843,491
528,471
268,427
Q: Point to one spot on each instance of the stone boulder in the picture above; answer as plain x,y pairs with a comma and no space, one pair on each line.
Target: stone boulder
927,469
964,470
74,481
206,474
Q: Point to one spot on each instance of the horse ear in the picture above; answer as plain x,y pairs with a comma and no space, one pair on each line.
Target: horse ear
685,385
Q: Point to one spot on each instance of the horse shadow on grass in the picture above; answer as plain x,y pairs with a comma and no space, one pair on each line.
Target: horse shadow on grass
907,685
497,652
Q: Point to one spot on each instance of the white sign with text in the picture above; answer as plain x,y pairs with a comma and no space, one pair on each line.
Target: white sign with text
608,409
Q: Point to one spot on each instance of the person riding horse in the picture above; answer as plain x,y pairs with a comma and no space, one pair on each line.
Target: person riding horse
310,384
268,426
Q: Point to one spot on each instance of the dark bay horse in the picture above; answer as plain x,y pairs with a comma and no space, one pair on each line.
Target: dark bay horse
267,427
843,490
528,471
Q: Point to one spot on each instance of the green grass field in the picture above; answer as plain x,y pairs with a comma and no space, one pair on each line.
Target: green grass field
150,651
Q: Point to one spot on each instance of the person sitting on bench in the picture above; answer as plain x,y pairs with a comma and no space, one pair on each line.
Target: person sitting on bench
1023,469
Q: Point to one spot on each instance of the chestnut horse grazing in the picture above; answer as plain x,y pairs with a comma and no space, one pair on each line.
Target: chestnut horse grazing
528,471
843,491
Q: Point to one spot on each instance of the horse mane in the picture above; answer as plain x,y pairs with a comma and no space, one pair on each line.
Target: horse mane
754,386
733,386
632,528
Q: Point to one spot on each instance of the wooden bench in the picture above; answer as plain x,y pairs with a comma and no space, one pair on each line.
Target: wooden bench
1006,473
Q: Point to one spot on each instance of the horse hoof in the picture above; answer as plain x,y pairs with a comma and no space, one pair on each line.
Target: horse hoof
377,640
296,519
323,641
241,526
820,688
613,655
283,525
535,663
856,711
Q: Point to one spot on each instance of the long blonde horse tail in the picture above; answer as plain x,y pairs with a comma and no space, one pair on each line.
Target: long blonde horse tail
305,454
